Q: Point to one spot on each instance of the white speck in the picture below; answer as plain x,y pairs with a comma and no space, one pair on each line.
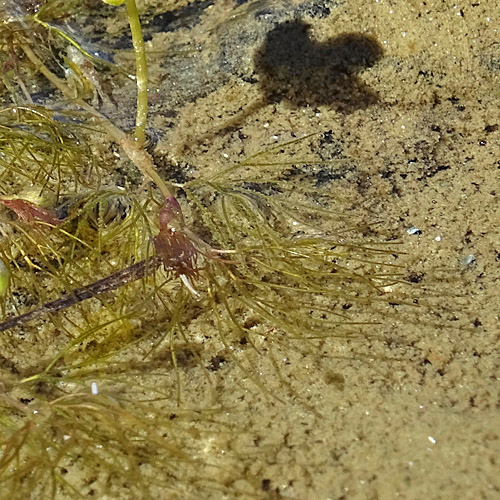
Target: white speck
94,389
66,437
431,439
468,259
266,125
403,34
189,286
438,238
225,155
414,230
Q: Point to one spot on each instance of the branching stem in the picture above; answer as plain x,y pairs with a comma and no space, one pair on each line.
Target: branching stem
137,154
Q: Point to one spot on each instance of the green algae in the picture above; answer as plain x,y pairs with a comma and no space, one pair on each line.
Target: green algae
271,270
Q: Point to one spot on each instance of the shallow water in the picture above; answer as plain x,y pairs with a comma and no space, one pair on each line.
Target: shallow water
405,99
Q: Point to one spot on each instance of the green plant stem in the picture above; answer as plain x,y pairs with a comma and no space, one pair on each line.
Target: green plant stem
136,153
141,71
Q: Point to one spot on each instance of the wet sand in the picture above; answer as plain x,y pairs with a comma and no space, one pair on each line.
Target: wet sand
412,411
402,99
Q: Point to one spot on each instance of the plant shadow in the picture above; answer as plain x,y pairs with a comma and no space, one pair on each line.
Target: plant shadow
293,67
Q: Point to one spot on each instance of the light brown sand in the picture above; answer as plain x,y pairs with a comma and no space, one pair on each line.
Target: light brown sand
413,413
410,409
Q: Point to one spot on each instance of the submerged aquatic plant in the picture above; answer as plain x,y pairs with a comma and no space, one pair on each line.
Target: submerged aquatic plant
239,249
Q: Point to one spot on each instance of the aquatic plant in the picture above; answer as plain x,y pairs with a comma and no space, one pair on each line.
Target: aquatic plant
113,288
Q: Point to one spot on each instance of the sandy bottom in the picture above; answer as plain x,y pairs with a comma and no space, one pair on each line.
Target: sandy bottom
413,411
406,95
